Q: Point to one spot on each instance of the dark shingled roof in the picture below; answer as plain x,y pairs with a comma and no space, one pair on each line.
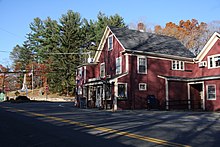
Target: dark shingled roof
149,42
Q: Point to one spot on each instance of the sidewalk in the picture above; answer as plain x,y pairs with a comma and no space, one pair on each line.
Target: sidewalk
63,99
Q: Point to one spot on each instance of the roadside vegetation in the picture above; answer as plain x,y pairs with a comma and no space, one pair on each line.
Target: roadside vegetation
54,48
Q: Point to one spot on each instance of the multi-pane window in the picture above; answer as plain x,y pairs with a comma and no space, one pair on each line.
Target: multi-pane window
177,65
214,61
210,62
211,92
217,61
102,69
142,65
122,90
110,42
118,65
142,86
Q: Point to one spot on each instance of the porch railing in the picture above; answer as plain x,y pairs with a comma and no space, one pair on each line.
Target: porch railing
184,104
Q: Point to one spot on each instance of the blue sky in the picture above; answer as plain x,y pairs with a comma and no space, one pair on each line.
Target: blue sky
16,15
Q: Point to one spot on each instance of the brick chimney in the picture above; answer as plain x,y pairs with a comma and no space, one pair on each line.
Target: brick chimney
141,27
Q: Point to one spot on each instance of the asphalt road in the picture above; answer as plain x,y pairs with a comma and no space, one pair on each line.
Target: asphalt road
62,125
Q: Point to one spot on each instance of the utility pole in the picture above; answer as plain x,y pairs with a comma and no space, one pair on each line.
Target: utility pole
32,80
3,82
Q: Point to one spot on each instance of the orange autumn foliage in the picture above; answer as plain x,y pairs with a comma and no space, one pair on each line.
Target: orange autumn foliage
188,32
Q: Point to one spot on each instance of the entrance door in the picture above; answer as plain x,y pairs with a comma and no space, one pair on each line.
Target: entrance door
99,92
196,95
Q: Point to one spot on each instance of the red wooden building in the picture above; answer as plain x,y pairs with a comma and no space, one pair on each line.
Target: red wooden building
135,70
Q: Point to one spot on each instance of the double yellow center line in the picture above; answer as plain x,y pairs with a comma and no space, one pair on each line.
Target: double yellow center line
103,129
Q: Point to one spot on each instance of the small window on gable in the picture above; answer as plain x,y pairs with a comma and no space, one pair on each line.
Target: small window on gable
110,42
142,86
214,61
102,70
210,62
211,92
142,65
177,65
118,66
217,61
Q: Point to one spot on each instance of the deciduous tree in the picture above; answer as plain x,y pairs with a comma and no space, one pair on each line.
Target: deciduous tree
188,32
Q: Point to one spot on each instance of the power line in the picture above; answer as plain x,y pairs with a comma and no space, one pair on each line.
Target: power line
67,53
13,34
4,51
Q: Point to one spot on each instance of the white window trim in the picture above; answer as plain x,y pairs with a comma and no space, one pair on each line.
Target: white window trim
120,65
111,36
138,65
178,62
144,85
209,62
126,89
213,62
208,94
103,70
127,62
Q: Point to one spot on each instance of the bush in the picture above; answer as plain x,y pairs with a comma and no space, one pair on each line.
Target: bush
22,98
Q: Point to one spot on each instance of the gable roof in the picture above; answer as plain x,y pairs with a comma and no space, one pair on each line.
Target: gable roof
208,46
151,43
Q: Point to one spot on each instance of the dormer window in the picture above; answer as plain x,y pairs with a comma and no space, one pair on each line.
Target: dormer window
110,42
177,65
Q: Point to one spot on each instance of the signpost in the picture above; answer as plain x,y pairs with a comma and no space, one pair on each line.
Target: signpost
46,90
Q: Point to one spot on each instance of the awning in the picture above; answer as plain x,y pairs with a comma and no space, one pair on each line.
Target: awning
107,80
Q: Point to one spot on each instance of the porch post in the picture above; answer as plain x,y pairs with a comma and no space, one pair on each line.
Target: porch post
115,88
104,96
87,96
167,94
189,102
